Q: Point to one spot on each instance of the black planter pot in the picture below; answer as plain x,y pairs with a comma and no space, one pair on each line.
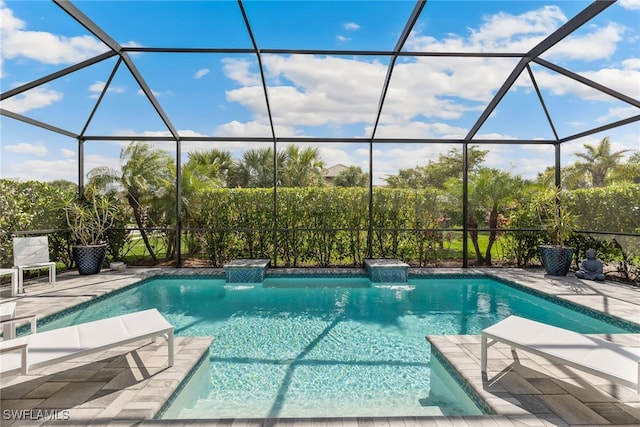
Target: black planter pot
556,260
89,259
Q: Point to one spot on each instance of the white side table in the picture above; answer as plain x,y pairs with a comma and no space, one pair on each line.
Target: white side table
7,312
14,279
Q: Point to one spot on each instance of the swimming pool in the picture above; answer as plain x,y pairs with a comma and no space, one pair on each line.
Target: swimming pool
330,346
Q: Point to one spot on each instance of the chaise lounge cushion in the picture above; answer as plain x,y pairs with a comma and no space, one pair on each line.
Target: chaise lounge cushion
595,355
45,348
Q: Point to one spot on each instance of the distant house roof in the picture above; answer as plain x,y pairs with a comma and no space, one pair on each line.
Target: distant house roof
333,171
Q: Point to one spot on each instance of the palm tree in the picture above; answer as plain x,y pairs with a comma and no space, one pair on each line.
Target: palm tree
599,161
210,166
490,194
145,174
302,168
204,169
629,171
255,169
572,177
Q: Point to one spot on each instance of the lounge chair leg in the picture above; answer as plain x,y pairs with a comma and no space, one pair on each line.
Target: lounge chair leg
25,365
483,354
170,348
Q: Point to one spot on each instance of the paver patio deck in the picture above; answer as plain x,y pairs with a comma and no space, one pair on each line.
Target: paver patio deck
128,385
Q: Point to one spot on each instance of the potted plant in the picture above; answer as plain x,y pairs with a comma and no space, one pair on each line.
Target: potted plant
557,223
89,219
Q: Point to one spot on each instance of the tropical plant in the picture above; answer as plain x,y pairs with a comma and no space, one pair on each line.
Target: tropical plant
628,171
598,161
32,205
436,173
256,169
211,167
555,218
352,176
302,167
490,193
90,218
145,175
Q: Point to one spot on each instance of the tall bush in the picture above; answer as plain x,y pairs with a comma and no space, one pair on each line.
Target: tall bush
32,206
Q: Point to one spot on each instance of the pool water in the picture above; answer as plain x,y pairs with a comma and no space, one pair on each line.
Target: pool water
318,347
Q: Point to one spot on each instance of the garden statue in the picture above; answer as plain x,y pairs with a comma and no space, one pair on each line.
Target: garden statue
590,268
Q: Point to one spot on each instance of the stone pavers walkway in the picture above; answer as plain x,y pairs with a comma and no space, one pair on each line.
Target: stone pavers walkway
128,385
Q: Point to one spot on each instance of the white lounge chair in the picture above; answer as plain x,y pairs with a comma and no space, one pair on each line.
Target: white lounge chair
7,319
32,253
614,362
14,279
45,348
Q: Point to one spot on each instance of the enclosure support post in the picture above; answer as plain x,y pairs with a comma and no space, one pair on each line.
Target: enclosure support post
80,168
465,204
557,164
178,241
370,227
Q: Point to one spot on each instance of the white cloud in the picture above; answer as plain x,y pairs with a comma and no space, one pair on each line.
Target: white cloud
96,160
98,86
631,63
630,4
617,113
318,91
241,71
418,129
598,44
501,32
18,42
342,39
155,93
37,97
132,44
68,154
43,170
201,73
351,26
181,132
26,148
252,128
623,80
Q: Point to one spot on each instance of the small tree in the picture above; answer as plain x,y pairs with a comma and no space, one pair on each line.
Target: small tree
554,217
90,219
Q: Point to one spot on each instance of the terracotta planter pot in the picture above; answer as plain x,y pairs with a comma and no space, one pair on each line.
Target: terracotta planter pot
89,259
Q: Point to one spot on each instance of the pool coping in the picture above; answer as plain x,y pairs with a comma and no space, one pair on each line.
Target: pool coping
460,352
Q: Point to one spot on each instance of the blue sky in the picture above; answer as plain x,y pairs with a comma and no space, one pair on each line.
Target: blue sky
313,96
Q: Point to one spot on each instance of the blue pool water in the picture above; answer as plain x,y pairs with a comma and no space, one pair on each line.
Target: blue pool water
314,347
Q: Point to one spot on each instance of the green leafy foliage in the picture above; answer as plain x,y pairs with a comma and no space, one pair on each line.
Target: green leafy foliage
31,206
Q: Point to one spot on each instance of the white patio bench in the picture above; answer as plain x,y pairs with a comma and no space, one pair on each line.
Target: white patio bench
45,348
605,359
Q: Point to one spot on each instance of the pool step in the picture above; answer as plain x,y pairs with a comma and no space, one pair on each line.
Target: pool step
246,270
386,270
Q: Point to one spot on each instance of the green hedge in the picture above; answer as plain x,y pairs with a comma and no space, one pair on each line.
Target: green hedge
32,205
615,208
318,226
329,226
